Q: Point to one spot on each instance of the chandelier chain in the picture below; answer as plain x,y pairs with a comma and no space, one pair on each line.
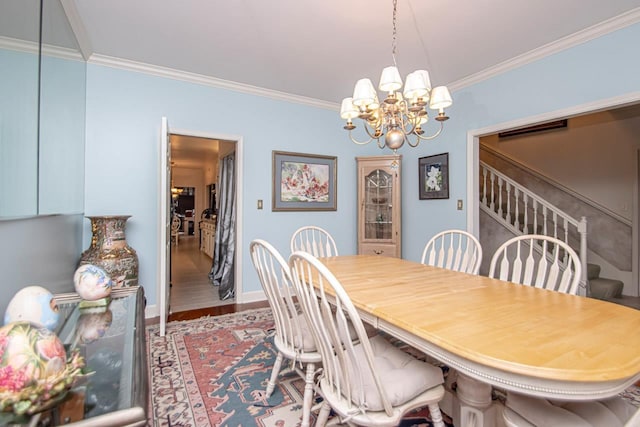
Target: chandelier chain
400,117
393,42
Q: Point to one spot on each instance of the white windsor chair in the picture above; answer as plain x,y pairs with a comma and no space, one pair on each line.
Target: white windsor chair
368,382
314,240
537,260
549,263
176,224
527,411
454,250
293,338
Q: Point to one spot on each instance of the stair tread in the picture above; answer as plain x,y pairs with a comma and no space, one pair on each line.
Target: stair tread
603,288
593,271
605,281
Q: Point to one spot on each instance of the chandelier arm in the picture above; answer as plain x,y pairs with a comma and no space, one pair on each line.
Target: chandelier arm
367,128
355,141
426,138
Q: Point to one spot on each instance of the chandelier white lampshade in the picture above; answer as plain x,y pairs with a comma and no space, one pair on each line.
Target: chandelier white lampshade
390,80
440,98
417,85
402,113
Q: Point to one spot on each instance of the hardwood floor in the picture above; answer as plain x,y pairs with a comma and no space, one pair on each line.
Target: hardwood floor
216,311
192,294
191,288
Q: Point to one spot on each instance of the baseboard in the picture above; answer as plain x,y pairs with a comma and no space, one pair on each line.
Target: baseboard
253,296
152,311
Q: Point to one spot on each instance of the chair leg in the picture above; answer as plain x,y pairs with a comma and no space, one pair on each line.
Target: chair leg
436,415
271,385
323,415
307,401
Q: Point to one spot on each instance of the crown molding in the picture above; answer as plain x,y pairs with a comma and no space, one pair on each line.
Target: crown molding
61,52
77,27
616,23
32,48
200,79
19,45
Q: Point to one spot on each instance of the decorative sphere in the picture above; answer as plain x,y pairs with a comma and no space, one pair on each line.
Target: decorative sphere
33,304
28,353
92,326
92,283
394,138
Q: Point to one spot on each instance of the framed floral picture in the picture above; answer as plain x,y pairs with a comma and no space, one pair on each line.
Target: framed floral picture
434,176
303,182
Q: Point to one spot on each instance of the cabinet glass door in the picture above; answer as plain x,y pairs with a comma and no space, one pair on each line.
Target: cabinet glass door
378,206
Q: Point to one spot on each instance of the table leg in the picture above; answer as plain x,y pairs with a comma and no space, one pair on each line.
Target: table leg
473,405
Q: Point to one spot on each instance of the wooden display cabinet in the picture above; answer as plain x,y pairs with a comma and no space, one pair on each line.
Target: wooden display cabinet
379,201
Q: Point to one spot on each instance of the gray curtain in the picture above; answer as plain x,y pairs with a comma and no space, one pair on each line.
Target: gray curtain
224,253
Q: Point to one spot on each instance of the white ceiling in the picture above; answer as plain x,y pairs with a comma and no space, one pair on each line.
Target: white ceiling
319,49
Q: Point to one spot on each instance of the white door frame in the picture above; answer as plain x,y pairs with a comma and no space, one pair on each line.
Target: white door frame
239,197
473,159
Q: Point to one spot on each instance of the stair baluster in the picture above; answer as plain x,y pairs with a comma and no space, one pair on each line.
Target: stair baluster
494,181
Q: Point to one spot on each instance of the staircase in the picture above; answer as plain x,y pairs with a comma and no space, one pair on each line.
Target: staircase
523,212
600,287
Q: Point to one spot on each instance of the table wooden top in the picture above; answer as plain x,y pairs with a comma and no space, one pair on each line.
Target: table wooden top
498,324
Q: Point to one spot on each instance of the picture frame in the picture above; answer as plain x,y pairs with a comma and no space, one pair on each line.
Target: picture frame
303,182
433,179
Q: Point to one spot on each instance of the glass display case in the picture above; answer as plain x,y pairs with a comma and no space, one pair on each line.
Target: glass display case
111,339
379,212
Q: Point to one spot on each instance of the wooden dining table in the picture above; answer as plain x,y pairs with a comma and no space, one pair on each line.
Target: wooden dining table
513,337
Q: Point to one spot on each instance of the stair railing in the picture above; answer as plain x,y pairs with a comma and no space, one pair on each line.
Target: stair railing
524,212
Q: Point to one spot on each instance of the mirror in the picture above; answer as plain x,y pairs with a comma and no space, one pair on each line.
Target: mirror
42,121
19,68
62,115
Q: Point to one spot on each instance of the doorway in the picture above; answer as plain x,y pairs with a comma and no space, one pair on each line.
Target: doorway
195,159
629,106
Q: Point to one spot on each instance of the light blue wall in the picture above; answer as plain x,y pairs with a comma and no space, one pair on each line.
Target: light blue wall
124,111
599,69
123,124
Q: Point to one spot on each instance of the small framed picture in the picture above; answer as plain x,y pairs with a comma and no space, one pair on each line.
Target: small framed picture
434,176
303,182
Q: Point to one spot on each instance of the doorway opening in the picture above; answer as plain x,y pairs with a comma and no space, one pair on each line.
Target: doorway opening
195,176
627,105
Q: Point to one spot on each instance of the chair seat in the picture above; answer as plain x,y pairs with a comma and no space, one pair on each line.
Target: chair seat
528,411
404,376
307,345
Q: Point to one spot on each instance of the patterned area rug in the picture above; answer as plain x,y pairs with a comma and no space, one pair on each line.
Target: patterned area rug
213,372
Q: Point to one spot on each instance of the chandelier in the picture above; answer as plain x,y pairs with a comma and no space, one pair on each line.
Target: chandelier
401,115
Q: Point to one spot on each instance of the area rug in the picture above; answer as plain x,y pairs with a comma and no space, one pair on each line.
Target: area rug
213,372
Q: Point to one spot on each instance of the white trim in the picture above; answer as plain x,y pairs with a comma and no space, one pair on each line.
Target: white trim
78,28
616,23
473,143
62,53
33,48
186,76
10,43
253,296
151,311
239,151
